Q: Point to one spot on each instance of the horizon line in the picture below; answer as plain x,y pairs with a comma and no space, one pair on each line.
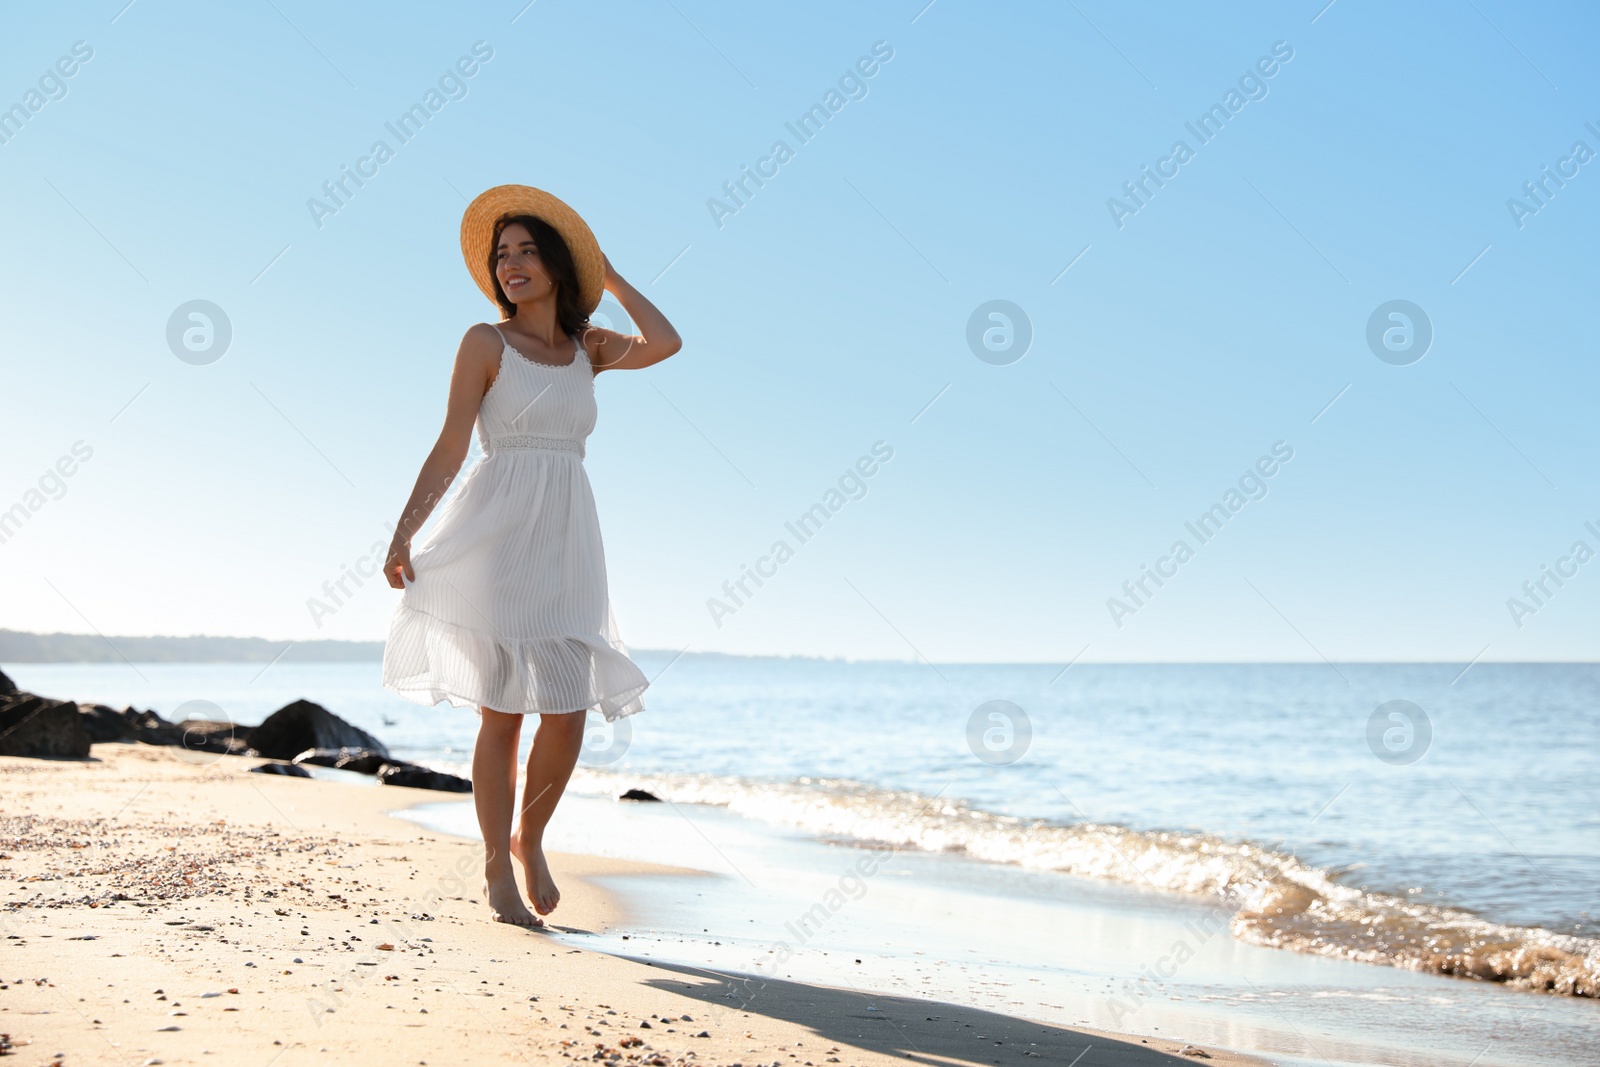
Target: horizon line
374,645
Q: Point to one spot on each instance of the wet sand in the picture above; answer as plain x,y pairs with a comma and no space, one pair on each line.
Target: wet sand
158,910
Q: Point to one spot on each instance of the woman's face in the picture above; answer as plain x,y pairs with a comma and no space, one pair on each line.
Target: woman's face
518,267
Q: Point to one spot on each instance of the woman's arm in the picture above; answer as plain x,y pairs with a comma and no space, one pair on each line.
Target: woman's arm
477,361
655,341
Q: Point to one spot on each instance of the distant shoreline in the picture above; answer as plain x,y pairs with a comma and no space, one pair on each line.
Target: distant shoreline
19,646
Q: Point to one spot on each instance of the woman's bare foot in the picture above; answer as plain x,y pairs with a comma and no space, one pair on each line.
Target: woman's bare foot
505,903
542,889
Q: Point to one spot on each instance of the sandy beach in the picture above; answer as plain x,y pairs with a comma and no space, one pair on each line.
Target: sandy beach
160,910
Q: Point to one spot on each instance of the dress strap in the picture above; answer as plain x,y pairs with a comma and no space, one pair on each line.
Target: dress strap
502,336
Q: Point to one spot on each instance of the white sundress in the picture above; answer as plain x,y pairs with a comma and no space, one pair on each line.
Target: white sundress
509,609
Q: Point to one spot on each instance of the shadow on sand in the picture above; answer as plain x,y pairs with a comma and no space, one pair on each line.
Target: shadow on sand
922,1031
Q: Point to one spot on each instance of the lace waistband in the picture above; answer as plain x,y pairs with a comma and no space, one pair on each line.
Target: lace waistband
543,441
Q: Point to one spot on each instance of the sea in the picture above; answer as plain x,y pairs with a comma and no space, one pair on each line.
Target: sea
1315,863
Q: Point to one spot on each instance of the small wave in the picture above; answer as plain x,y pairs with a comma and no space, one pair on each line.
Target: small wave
1279,901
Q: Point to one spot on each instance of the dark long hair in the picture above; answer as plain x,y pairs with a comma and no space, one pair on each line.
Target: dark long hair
557,260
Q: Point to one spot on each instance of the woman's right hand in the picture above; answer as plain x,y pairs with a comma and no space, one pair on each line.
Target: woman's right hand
398,563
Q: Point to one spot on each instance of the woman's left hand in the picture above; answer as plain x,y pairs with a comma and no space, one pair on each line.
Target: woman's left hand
612,277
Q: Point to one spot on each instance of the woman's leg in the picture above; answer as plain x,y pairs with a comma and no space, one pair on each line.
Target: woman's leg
494,789
555,752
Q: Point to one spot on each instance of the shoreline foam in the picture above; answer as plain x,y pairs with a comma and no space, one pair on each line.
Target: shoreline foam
1280,901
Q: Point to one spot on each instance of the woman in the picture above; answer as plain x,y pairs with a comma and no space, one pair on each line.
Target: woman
505,607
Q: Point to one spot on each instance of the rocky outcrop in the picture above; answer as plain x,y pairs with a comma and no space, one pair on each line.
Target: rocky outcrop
296,727
147,727
390,771
38,726
409,774
31,725
639,794
359,760
288,770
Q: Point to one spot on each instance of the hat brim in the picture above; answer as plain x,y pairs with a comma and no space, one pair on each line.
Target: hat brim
492,205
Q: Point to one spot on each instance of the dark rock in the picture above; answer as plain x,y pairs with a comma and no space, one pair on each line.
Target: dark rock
7,686
639,794
38,726
288,770
224,738
103,723
409,774
296,727
149,728
359,760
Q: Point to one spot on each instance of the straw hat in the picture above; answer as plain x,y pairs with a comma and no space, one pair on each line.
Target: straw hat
477,231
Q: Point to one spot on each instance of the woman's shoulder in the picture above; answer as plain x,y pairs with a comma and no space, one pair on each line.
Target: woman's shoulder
482,344
483,337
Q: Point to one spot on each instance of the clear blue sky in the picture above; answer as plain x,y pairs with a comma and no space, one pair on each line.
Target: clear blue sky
1221,317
